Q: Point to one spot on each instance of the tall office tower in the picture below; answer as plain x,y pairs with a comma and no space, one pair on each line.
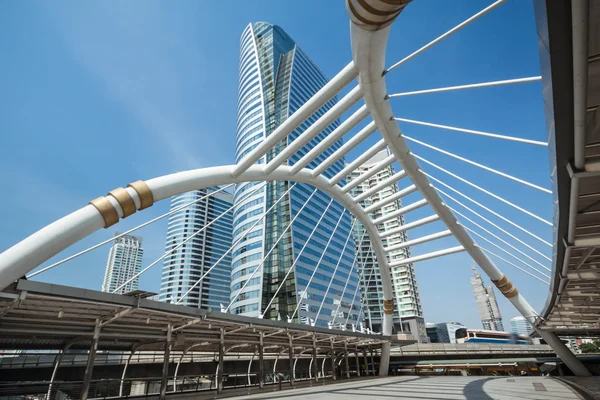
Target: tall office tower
489,313
186,265
276,78
124,261
520,326
407,304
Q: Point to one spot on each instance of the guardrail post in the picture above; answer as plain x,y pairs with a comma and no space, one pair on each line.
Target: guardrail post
347,364
315,362
333,374
291,359
372,360
165,368
221,357
366,361
357,358
89,368
57,362
261,365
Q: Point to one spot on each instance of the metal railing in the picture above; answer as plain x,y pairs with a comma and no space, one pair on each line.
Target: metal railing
150,386
420,349
70,359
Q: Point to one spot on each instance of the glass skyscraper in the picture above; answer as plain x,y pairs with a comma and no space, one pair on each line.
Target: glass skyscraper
407,302
186,265
124,261
486,303
276,77
520,326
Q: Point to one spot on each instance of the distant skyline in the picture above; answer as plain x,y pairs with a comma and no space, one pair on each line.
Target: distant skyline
99,94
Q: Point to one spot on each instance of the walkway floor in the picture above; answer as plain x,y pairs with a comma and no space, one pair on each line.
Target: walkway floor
438,387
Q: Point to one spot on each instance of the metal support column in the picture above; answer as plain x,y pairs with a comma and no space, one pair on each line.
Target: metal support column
347,364
333,374
314,363
366,361
89,368
566,355
59,358
291,359
164,377
357,358
372,360
220,367
261,365
125,373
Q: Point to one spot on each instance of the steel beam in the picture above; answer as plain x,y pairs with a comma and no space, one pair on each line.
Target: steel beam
89,368
165,367
261,362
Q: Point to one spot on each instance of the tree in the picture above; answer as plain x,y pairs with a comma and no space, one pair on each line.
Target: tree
593,347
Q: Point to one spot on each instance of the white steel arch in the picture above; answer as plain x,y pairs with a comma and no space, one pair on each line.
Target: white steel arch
50,240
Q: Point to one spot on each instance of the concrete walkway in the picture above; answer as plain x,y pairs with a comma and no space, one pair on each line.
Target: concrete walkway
439,387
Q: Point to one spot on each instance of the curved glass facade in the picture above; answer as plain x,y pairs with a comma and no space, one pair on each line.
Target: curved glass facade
184,267
276,77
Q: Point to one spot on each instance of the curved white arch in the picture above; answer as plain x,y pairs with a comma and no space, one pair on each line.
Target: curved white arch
50,240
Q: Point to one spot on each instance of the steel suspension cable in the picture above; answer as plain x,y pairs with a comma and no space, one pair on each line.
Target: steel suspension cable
493,224
319,262
193,235
474,132
348,279
336,268
448,33
483,190
272,248
487,209
505,251
478,165
235,244
469,86
293,267
120,235
500,239
366,286
514,265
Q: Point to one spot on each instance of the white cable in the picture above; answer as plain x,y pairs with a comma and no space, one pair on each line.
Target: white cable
495,171
319,262
450,32
293,267
493,224
235,244
272,248
500,239
483,190
366,285
487,209
470,86
506,251
514,265
342,251
125,233
181,244
474,132
348,279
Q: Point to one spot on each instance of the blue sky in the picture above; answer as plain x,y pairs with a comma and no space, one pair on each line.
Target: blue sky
99,94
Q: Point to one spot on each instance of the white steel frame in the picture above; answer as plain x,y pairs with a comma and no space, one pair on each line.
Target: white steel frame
368,66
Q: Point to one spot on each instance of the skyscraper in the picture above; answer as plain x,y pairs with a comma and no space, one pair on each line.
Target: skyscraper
520,326
124,261
186,265
489,313
276,78
407,304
